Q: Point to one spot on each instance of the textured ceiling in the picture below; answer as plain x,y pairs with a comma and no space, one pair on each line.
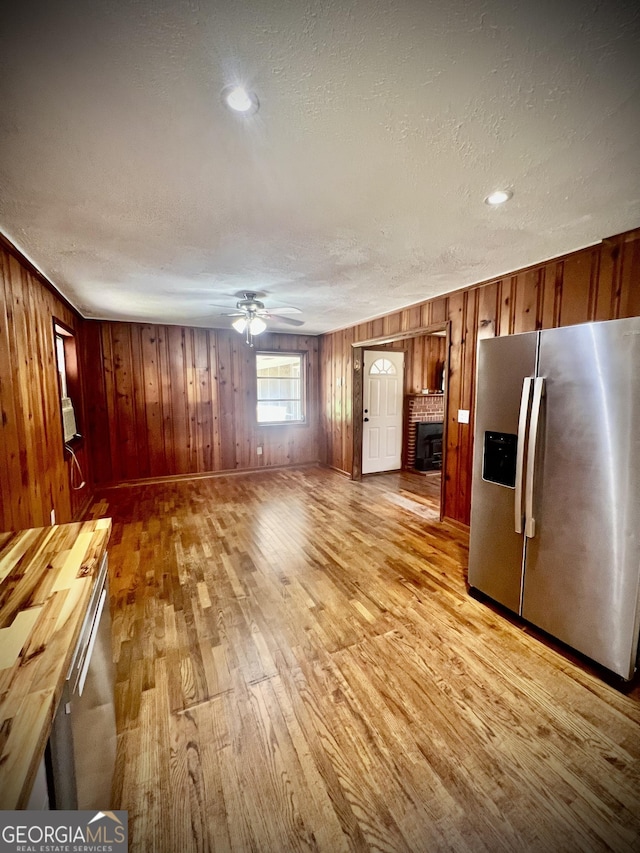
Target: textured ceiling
356,189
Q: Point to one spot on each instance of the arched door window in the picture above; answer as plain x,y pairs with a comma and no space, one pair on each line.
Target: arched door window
382,367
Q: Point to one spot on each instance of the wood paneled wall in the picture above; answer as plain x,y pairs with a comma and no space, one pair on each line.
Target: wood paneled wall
35,470
166,400
169,400
598,283
423,355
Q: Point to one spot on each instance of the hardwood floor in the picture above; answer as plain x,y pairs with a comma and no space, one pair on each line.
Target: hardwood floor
300,668
416,491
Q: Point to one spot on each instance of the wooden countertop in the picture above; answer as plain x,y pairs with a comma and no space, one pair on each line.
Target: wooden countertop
46,577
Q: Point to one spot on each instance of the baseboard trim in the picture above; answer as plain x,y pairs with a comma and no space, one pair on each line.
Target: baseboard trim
205,475
459,525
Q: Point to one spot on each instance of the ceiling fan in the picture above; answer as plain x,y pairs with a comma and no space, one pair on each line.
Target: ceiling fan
252,315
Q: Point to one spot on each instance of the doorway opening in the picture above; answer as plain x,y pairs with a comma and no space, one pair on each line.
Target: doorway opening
383,411
419,475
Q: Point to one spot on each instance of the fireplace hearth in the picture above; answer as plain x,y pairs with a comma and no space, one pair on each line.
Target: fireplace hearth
428,446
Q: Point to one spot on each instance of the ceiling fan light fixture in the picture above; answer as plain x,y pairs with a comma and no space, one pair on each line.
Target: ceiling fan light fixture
257,325
498,197
240,324
240,100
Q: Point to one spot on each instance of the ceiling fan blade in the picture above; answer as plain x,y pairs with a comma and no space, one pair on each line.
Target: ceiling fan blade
288,309
290,320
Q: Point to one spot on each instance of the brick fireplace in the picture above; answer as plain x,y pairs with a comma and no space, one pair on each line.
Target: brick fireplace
420,408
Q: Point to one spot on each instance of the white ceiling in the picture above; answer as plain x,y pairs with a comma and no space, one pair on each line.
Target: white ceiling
356,189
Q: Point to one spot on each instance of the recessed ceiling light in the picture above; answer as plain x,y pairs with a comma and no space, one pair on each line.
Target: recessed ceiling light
498,197
240,100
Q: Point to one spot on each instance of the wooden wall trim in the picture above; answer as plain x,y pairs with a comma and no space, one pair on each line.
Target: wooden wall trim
181,478
400,336
338,471
358,429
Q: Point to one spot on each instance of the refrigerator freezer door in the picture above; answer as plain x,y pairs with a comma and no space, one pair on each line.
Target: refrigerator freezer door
495,549
583,564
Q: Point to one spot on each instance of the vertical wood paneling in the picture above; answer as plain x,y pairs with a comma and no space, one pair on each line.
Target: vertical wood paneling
216,457
35,470
150,389
338,377
549,304
140,392
579,273
453,431
191,402
414,358
168,461
608,279
168,400
599,283
204,395
526,301
178,394
488,302
466,401
10,473
423,356
438,310
244,394
91,346
182,400
376,328
508,293
347,397
104,465
125,424
227,408
629,282
27,429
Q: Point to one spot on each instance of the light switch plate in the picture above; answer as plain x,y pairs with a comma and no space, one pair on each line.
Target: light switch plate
463,416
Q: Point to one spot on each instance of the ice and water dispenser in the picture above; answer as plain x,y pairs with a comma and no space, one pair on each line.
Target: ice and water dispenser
499,463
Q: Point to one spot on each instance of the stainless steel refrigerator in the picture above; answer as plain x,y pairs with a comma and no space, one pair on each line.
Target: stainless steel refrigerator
555,502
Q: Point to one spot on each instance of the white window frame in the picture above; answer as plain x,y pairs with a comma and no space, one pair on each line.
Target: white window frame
302,399
64,342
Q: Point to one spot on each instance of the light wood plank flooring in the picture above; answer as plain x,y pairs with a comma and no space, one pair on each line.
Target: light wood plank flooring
301,668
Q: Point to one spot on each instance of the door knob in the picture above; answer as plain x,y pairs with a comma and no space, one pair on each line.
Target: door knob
366,419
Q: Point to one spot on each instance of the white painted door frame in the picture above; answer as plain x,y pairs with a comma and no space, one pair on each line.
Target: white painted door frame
383,394
357,379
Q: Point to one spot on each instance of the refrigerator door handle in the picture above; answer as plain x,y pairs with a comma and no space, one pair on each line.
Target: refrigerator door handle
522,434
538,394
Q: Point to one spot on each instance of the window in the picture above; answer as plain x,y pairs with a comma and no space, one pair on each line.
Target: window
280,387
62,366
382,367
67,363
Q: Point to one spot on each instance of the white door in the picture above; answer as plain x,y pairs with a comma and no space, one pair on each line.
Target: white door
382,411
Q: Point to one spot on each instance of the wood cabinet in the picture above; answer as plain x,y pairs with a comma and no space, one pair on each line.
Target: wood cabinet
47,576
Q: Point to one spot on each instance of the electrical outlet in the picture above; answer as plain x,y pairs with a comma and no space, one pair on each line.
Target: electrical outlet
53,517
259,450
